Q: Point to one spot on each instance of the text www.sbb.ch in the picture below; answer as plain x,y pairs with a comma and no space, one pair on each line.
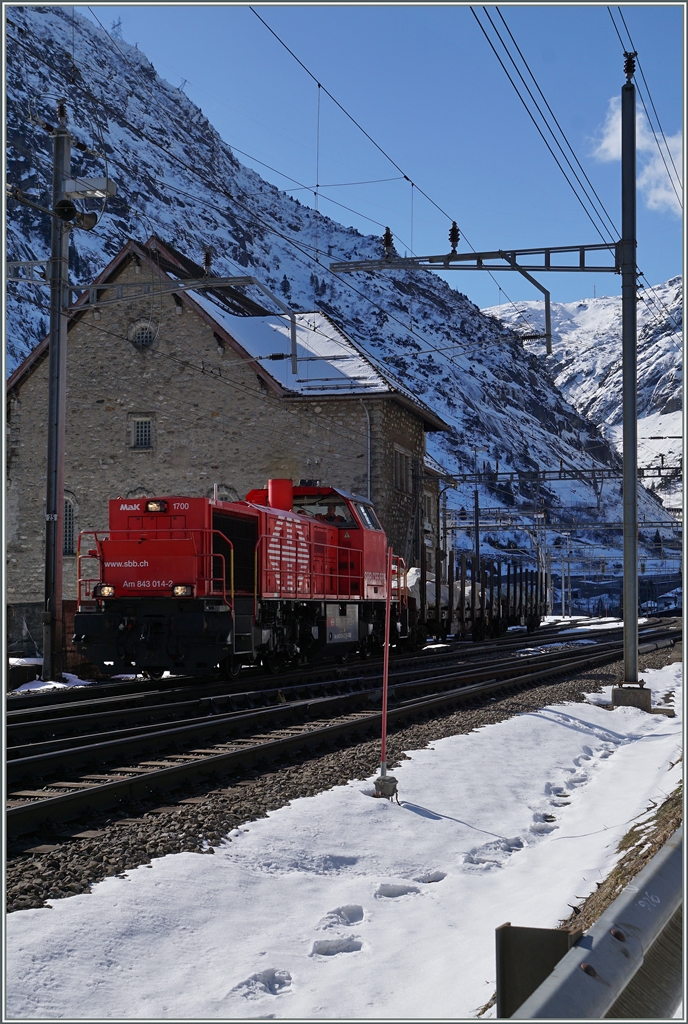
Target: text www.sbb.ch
131,564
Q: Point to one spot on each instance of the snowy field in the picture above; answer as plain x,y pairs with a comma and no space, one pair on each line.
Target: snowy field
344,906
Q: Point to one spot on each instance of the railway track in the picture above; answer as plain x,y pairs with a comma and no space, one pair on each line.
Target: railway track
94,711
49,714
92,772
258,678
25,705
40,729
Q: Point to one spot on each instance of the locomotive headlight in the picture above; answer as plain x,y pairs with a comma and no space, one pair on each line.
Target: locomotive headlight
156,506
182,590
103,590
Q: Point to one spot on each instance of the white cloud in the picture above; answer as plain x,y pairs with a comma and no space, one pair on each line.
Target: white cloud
654,180
608,145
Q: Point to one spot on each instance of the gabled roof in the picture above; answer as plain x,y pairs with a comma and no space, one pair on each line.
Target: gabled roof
434,468
330,364
156,255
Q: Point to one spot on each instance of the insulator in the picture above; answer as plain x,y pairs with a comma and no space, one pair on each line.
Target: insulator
388,242
207,260
454,235
629,64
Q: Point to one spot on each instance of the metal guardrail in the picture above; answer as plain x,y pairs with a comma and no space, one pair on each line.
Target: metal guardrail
629,964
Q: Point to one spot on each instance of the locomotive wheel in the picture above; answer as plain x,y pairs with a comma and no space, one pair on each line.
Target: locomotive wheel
341,659
231,667
273,662
153,673
366,651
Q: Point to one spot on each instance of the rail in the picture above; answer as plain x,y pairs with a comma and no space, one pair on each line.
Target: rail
629,963
210,577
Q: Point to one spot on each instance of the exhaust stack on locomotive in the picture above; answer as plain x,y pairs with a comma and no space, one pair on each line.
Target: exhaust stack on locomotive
281,494
197,585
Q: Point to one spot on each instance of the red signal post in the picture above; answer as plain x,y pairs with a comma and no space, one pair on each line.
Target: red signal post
385,669
386,785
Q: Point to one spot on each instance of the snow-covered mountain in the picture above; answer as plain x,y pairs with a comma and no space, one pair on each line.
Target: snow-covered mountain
178,179
586,367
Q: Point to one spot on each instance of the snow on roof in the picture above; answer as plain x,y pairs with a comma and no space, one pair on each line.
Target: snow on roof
434,466
328,362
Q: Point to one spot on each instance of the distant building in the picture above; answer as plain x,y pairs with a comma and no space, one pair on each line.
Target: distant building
176,393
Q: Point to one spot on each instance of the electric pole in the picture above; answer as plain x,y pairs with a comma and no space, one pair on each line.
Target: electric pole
476,527
563,581
629,369
57,378
568,566
476,523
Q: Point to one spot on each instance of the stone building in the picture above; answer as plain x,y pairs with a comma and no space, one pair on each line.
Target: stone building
179,391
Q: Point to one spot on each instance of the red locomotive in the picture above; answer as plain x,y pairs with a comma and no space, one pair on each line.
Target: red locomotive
197,585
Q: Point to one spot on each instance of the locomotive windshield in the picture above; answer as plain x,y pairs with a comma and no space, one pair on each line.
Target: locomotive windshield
367,514
328,509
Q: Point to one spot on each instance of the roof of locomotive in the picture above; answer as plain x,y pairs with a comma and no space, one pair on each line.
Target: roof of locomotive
253,496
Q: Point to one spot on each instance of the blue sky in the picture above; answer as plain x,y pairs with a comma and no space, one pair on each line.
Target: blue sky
423,82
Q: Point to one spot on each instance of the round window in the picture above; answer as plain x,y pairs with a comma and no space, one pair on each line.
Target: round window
143,333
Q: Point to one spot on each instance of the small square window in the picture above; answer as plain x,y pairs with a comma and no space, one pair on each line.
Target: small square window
143,433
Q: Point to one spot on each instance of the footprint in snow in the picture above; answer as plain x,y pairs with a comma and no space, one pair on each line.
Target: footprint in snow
577,778
331,947
390,891
430,876
345,916
271,981
491,855
543,824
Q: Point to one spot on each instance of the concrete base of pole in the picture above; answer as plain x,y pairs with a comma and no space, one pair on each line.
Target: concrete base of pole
386,785
630,696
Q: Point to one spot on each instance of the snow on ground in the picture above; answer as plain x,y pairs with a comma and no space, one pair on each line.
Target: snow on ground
591,622
344,906
69,680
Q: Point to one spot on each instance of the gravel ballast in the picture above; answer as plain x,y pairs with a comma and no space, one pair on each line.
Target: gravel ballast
68,861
